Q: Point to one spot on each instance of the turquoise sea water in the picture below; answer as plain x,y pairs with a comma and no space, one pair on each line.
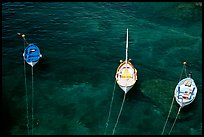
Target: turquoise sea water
82,44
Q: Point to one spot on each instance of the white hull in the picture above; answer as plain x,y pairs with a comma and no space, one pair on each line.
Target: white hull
185,94
32,63
126,76
126,89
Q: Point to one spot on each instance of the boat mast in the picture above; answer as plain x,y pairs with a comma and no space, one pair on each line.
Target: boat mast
126,59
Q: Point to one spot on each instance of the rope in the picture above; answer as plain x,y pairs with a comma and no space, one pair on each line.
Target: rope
32,100
119,115
110,108
183,69
23,35
26,93
168,116
175,120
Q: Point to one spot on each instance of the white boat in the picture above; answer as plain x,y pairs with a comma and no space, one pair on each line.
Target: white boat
185,91
126,74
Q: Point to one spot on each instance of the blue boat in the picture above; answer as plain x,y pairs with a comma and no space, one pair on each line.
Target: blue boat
32,54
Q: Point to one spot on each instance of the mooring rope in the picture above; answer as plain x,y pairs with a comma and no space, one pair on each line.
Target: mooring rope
175,120
32,100
32,94
110,108
168,116
25,80
183,69
119,114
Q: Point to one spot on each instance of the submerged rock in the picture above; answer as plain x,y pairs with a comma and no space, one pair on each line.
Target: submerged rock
198,4
161,93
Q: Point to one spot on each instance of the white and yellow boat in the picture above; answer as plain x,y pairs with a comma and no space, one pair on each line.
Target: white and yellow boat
126,74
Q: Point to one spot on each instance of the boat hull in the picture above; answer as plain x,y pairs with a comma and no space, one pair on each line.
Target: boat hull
126,89
185,92
32,54
126,76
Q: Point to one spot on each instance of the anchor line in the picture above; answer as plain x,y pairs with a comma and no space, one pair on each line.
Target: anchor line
119,114
110,108
25,80
175,120
168,116
24,39
32,100
183,69
32,94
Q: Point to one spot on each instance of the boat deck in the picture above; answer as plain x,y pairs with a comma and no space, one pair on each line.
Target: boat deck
185,91
126,75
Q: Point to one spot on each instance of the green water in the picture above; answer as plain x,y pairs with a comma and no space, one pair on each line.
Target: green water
82,44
